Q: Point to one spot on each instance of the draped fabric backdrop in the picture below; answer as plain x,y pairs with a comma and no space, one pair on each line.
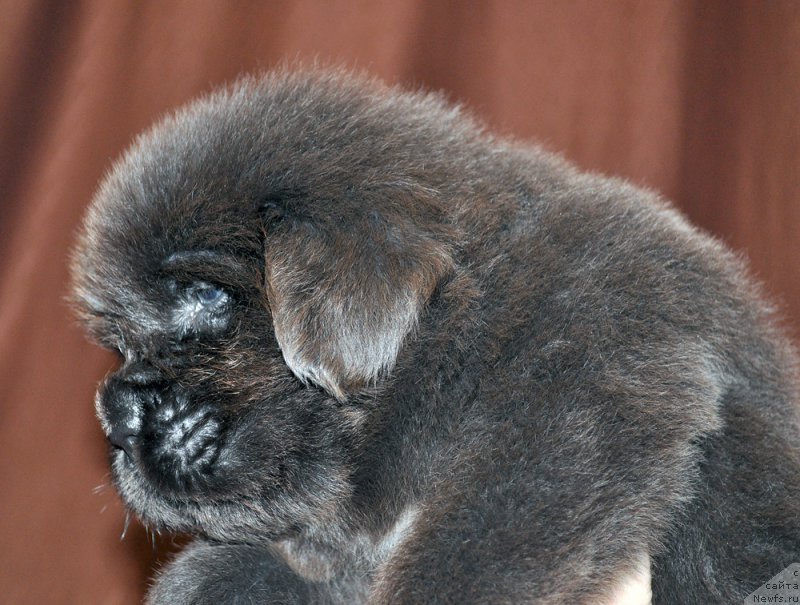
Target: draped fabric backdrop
700,100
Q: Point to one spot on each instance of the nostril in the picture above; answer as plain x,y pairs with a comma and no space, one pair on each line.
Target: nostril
124,438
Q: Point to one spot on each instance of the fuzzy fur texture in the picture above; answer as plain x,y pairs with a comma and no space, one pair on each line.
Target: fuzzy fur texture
372,354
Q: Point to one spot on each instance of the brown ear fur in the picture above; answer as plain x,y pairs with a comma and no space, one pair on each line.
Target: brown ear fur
345,291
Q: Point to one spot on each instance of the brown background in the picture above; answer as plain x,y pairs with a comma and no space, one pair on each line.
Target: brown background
700,100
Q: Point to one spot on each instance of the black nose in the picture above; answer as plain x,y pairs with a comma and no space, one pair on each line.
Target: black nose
123,437
122,400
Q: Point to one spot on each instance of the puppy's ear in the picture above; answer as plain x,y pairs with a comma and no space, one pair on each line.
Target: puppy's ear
346,290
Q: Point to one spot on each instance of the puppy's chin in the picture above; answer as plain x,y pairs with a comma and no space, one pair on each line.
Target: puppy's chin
245,517
153,508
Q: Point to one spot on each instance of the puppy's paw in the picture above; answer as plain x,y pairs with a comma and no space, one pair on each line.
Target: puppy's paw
182,442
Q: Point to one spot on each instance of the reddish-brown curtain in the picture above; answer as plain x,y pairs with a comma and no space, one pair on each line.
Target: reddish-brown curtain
698,99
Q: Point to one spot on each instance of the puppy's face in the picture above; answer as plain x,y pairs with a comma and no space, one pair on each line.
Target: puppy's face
208,425
257,268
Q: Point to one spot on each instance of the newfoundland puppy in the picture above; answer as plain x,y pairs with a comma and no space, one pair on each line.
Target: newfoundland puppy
371,353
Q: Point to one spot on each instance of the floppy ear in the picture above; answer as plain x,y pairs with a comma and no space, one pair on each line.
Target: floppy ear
346,291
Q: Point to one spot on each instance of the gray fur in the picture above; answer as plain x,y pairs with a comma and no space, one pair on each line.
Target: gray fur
442,368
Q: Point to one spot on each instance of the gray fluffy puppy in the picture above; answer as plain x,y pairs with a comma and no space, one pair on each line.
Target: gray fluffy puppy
372,354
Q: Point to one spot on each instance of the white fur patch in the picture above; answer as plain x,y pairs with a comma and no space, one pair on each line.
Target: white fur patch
398,532
634,587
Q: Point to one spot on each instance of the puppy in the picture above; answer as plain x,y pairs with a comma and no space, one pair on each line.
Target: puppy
372,354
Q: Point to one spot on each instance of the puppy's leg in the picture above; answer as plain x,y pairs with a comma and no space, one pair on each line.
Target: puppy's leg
487,557
548,518
218,574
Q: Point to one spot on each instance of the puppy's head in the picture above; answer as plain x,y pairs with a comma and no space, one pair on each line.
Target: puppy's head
257,260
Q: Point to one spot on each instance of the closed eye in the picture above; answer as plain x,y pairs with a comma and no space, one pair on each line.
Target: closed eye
201,308
209,295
